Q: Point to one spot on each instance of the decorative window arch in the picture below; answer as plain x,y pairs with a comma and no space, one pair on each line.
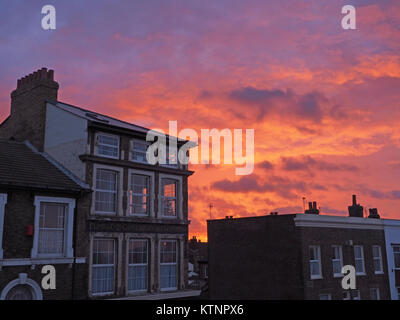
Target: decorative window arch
23,280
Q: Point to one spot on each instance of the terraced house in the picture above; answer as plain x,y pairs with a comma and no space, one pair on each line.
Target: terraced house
135,226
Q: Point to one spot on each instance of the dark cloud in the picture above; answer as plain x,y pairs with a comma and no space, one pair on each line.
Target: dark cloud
382,195
309,106
308,163
281,186
265,165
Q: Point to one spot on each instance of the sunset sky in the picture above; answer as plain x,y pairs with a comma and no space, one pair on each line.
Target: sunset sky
324,102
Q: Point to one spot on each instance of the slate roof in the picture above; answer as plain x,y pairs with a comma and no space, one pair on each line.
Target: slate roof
97,117
21,165
103,119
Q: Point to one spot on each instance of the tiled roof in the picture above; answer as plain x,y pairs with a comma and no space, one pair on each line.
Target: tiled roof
21,165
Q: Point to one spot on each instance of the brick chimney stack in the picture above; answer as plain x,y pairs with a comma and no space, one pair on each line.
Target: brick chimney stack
312,208
373,213
356,210
28,107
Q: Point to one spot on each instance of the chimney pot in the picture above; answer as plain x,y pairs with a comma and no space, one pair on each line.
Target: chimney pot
50,74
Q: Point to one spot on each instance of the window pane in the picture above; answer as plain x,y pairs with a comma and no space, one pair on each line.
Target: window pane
169,207
139,150
106,180
168,274
359,266
169,187
396,251
169,197
108,146
137,278
52,228
138,265
314,268
168,264
358,252
337,267
139,194
106,191
103,279
103,266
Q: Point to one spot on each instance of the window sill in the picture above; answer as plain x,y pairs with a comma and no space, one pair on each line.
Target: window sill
102,294
137,161
99,213
316,277
379,272
104,156
169,217
361,274
338,275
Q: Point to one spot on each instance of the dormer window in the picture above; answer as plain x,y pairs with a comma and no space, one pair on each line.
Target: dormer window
107,145
138,151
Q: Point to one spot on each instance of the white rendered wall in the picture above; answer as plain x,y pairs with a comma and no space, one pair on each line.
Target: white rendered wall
66,139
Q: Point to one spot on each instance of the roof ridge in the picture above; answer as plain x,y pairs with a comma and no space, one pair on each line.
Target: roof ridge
98,113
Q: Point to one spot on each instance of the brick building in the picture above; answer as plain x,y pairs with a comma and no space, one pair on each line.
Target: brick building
135,226
198,257
39,204
297,256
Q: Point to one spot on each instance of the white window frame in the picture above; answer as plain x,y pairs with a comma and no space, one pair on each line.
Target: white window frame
69,227
92,266
151,192
3,202
395,253
179,196
378,296
328,295
96,144
142,142
139,264
340,259
119,184
177,258
318,248
362,259
378,258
